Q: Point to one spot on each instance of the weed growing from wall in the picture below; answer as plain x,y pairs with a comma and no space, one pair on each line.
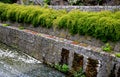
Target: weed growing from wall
79,73
63,68
5,24
107,47
117,55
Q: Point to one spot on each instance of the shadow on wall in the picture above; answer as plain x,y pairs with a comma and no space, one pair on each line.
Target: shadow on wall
91,67
64,56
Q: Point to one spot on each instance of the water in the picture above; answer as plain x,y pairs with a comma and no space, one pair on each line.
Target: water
13,63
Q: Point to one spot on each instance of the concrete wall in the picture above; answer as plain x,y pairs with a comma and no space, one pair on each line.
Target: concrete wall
52,50
87,8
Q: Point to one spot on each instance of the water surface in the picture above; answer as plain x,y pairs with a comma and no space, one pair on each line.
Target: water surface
13,63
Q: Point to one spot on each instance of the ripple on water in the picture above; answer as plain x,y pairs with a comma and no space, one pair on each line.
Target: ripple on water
16,64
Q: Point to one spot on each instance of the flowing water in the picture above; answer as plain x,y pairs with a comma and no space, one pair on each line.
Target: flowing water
13,63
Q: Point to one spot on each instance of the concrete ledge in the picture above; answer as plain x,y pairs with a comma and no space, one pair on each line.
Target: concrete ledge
52,50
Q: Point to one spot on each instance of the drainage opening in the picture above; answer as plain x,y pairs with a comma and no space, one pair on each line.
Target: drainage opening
112,74
118,73
91,69
77,62
64,56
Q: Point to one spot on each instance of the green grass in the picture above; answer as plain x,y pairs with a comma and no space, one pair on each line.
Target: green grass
102,25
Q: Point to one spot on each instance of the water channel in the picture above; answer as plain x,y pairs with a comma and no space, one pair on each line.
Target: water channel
13,63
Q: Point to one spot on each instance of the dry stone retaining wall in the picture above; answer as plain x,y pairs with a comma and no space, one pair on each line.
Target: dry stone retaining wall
87,8
62,33
52,50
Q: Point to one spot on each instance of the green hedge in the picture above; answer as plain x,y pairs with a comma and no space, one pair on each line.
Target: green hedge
104,25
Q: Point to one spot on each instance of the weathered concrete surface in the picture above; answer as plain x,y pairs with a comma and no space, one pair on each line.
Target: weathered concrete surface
48,49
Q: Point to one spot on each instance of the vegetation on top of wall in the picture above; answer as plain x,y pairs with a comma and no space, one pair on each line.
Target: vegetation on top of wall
103,25
5,24
117,55
107,47
21,27
6,1
47,1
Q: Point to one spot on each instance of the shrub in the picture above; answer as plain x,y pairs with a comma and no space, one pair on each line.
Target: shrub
117,15
103,25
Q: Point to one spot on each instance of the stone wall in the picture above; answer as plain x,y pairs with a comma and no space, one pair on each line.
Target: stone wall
87,40
87,8
52,50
